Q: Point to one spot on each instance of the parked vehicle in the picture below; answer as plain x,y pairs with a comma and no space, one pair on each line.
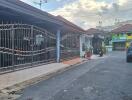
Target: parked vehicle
129,54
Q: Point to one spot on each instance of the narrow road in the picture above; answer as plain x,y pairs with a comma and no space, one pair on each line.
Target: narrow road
108,78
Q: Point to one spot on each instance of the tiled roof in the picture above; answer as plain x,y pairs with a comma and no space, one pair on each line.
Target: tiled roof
94,31
124,28
25,9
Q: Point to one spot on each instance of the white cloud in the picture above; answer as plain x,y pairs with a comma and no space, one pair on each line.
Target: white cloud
87,13
121,2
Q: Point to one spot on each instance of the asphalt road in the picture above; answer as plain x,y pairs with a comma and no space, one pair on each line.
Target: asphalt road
108,78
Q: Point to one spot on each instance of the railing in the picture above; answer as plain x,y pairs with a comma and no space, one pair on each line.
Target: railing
23,45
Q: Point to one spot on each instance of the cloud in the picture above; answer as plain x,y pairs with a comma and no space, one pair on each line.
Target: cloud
87,13
121,2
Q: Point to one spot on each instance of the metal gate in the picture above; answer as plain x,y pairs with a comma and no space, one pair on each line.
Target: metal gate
23,45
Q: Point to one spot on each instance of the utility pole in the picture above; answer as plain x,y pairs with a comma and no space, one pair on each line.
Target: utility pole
100,21
40,3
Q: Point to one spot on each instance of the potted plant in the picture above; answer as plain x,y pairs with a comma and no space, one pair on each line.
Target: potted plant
88,53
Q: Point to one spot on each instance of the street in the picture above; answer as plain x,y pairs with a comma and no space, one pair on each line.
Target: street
107,78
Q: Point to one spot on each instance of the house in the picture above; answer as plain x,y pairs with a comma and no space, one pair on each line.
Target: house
97,39
121,37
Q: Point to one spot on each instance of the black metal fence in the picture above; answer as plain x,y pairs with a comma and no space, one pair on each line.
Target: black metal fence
25,45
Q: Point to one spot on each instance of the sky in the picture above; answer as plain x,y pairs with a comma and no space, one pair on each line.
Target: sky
88,13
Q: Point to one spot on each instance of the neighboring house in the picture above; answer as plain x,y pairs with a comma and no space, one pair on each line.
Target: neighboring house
116,25
121,37
97,39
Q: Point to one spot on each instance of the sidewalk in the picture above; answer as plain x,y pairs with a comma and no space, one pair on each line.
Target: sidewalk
73,61
10,79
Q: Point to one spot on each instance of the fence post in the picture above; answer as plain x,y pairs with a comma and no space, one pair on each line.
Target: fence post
32,44
13,34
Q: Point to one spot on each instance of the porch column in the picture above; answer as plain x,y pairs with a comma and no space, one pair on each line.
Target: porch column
58,46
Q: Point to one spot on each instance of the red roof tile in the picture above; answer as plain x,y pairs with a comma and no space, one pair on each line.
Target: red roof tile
124,28
94,31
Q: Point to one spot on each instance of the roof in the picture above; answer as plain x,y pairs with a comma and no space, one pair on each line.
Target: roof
124,28
18,9
94,31
24,8
68,23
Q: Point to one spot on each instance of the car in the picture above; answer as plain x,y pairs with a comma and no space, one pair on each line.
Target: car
129,54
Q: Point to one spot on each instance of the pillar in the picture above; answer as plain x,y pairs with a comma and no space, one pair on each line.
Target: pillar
58,46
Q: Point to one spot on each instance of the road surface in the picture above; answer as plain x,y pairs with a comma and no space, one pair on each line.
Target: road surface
108,78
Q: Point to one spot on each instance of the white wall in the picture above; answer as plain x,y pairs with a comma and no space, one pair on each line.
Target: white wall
86,40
